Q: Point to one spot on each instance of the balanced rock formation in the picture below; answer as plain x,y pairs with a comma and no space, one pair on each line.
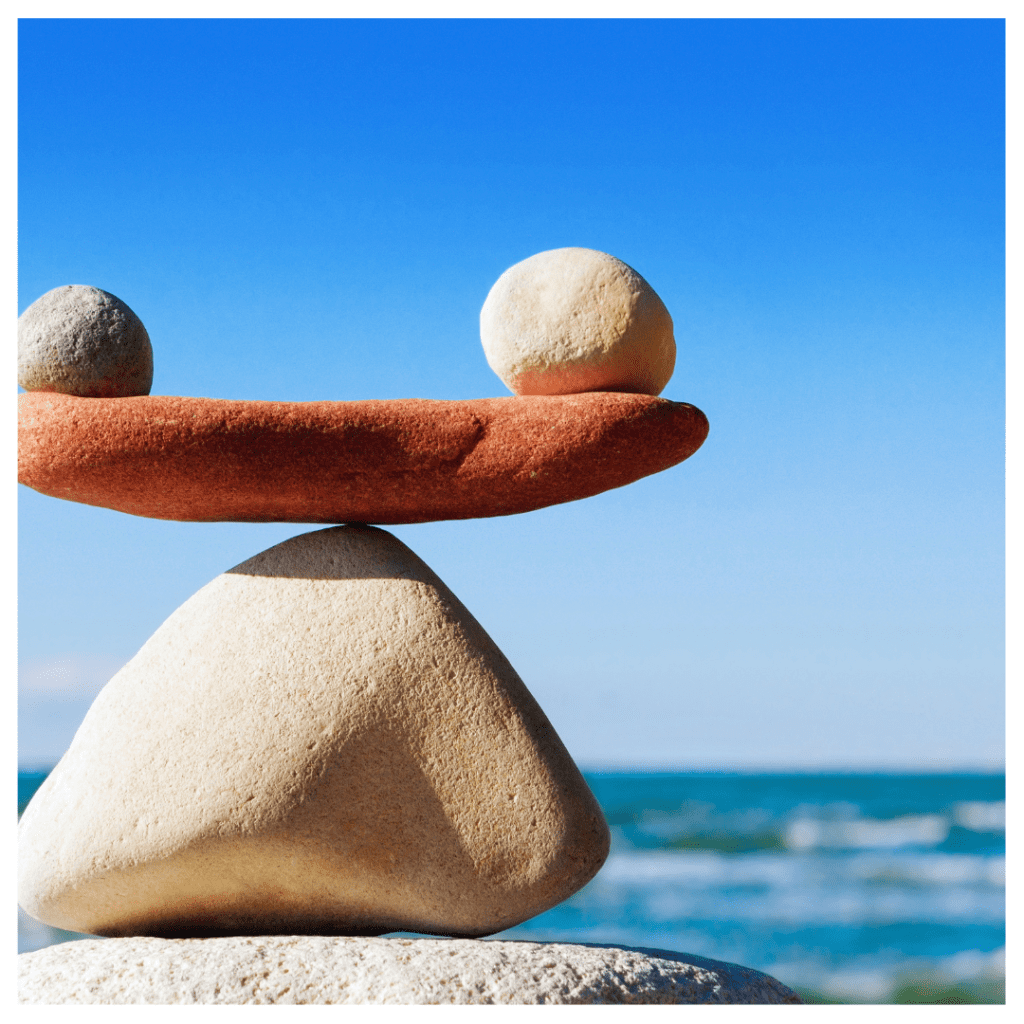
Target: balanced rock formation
321,741
572,320
290,969
405,461
80,340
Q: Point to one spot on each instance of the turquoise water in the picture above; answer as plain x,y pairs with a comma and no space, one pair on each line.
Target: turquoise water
855,888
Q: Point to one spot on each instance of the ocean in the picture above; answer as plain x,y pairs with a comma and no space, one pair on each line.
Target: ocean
850,888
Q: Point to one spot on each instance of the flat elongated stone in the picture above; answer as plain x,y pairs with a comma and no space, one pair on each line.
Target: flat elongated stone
405,461
289,969
322,740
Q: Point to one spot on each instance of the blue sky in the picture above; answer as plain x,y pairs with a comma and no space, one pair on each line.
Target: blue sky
317,209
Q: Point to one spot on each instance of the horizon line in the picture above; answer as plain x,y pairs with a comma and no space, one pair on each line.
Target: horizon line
934,767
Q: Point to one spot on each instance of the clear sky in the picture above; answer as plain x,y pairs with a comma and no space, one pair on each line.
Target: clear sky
317,209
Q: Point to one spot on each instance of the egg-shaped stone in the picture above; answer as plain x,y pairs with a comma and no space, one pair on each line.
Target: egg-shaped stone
572,320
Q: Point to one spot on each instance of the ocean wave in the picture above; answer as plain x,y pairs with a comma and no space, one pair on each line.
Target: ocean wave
966,827
867,833
981,816
932,869
851,890
877,979
709,868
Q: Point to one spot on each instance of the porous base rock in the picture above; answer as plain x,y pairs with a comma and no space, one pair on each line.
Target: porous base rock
308,969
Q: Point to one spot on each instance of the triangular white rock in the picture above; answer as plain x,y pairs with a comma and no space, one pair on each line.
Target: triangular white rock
322,740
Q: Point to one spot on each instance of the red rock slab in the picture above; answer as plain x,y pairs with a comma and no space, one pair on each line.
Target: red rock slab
399,461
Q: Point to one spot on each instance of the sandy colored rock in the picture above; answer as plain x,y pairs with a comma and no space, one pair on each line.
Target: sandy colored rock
324,741
80,340
406,461
572,320
290,969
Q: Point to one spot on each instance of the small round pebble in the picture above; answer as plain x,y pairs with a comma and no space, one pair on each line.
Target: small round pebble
80,340
572,320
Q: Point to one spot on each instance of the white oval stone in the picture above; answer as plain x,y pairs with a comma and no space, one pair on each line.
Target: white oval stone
573,320
80,340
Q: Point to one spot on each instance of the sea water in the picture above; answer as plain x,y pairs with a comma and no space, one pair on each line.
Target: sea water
848,887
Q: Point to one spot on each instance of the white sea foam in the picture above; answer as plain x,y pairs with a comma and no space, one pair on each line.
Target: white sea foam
855,889
932,869
867,833
974,965
834,826
874,979
981,816
701,869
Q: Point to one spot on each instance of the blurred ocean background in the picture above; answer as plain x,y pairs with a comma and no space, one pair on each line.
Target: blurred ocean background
850,888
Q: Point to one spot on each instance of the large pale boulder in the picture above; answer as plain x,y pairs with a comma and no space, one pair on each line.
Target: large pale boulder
323,741
571,320
403,461
290,969
80,340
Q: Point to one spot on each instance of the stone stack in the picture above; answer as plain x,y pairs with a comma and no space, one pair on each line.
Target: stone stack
323,741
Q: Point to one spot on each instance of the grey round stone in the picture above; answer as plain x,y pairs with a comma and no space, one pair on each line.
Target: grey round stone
316,969
80,340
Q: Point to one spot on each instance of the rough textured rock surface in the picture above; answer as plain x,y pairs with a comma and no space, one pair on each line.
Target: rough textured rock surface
407,461
79,340
323,741
572,320
315,969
